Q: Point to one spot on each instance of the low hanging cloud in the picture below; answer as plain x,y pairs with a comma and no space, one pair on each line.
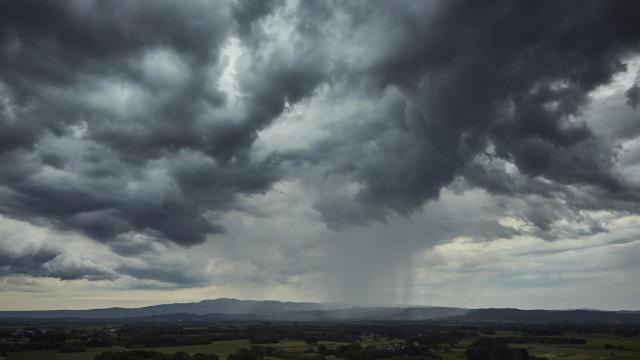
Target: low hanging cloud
129,121
29,250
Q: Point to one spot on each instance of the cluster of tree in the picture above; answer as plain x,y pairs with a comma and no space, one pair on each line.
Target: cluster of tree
64,339
626,331
153,335
613,347
152,355
267,333
28,346
353,351
551,340
312,337
487,348
169,340
436,340
257,352
73,346
559,330
265,339
246,354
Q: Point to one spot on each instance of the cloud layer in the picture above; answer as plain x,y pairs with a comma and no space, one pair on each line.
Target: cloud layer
280,136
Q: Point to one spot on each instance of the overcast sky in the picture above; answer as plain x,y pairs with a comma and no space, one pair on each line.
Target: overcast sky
459,153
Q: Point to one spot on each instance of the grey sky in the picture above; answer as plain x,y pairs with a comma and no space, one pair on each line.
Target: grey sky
430,152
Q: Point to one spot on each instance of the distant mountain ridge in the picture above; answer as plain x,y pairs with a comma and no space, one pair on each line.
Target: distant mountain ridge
225,309
220,306
517,316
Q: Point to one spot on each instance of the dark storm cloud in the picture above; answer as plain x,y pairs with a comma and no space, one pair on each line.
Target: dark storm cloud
507,74
247,13
633,96
59,44
111,117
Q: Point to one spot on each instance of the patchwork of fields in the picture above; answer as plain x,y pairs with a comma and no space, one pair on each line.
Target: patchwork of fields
624,348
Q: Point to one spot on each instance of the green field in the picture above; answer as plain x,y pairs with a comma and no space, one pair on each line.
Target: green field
592,350
370,340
